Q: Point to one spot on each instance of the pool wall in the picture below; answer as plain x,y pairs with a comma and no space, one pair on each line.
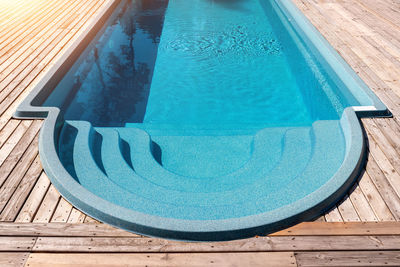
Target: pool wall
309,207
334,64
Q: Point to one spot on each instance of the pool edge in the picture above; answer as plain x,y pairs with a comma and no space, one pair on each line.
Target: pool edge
309,207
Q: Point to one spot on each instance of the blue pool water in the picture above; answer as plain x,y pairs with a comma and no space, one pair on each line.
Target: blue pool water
216,63
204,120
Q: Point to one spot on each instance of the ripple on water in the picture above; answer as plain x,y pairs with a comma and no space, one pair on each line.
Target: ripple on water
237,40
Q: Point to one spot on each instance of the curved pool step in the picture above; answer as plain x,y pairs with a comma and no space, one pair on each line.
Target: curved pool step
324,162
173,191
273,152
266,149
114,178
181,189
90,175
329,140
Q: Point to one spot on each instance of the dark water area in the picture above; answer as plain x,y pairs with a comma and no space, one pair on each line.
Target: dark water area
112,83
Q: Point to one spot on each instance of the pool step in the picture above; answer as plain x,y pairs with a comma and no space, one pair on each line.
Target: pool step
254,160
118,164
89,173
184,129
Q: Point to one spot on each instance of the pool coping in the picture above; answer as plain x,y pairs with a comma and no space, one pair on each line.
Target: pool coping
306,208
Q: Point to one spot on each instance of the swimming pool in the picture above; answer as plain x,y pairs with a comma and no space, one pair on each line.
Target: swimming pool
202,120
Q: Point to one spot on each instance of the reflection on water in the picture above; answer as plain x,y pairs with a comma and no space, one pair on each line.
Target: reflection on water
238,5
112,84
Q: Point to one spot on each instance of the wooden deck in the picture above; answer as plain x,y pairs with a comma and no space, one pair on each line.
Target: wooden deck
39,228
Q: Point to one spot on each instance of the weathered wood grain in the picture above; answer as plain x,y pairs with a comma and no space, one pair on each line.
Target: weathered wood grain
48,205
62,211
13,259
34,200
271,243
18,197
341,229
348,258
104,230
62,229
264,259
13,243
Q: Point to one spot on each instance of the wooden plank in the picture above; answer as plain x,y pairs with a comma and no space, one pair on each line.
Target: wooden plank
12,259
29,55
12,243
328,38
320,219
15,177
13,140
329,29
382,90
385,166
18,151
346,258
391,130
383,208
66,229
8,114
76,216
341,229
270,243
13,89
375,200
16,41
20,195
273,259
377,61
333,215
32,204
382,30
386,147
28,22
26,19
62,211
26,39
384,187
347,211
4,118
378,12
10,10
93,10
48,206
7,131
386,49
360,203
89,219
104,230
